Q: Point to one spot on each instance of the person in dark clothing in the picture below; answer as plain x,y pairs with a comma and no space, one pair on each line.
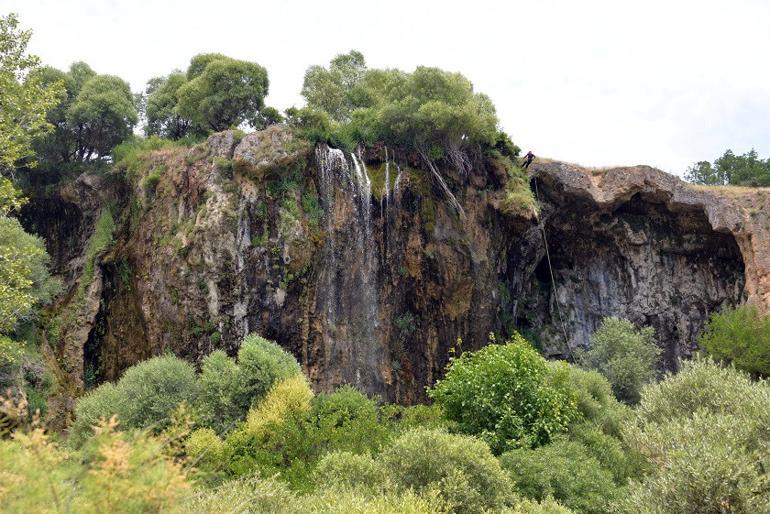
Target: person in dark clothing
528,159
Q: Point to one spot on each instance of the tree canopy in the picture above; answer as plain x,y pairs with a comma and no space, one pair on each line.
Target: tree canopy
93,113
163,119
732,170
222,92
24,96
103,115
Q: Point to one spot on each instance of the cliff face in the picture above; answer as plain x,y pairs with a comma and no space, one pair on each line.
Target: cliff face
358,265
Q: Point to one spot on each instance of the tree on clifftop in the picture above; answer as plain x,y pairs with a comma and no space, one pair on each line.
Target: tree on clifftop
221,93
731,170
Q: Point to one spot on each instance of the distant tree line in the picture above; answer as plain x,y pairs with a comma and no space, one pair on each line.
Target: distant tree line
732,170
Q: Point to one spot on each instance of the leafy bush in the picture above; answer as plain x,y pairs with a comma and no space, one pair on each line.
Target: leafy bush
121,473
592,394
704,434
739,336
703,385
288,433
461,468
348,470
501,393
269,496
547,506
564,470
144,397
220,383
261,364
292,396
101,403
348,419
626,356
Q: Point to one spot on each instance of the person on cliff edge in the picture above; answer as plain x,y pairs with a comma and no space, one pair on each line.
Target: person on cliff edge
528,159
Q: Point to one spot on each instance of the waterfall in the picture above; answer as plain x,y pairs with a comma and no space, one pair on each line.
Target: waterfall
348,293
396,185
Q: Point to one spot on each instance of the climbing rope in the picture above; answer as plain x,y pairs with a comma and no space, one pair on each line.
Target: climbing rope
541,223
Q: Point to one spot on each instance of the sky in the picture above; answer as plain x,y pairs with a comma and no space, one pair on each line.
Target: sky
596,82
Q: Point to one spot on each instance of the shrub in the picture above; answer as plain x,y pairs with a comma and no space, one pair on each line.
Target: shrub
348,470
222,164
702,385
121,473
261,364
625,356
248,494
101,403
151,182
501,394
144,397
592,394
610,451
707,463
739,336
204,447
289,397
153,389
352,501
564,470
288,433
704,434
462,469
548,506
348,420
219,384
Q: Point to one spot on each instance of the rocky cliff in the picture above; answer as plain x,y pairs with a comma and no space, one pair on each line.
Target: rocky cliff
359,266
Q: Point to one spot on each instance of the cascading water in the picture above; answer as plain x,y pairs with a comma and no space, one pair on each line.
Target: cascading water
348,295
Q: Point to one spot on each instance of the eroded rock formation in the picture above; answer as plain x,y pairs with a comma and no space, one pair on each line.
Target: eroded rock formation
357,264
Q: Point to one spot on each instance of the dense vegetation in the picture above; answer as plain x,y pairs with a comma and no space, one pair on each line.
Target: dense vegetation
165,438
740,337
731,170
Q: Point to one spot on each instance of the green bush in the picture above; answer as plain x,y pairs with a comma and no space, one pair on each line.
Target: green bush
220,383
348,470
261,364
103,402
288,433
144,397
462,469
704,434
153,389
702,385
564,470
115,472
151,182
741,337
610,451
348,420
592,394
627,357
501,393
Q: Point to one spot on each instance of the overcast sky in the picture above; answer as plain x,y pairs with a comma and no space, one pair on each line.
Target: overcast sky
599,82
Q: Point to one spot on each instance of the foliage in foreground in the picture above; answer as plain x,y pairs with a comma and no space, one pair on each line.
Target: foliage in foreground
220,396
500,393
115,472
705,434
627,357
740,337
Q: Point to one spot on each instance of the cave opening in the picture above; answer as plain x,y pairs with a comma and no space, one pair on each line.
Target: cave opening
642,260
